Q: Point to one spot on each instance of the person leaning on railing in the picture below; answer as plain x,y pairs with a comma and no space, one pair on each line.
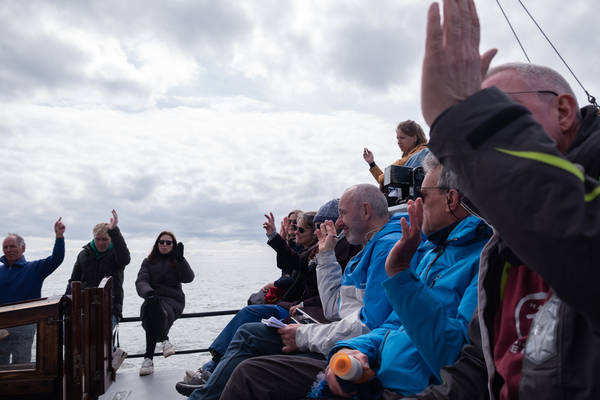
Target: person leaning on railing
159,284
22,280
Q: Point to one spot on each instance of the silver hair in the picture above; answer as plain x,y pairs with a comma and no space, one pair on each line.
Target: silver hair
447,178
367,193
20,240
538,76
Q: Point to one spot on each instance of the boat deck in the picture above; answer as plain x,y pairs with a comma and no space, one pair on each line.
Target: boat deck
129,385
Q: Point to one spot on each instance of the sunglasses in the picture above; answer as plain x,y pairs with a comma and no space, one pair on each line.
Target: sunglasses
298,228
165,242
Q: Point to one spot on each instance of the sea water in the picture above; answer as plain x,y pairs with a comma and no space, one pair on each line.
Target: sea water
226,274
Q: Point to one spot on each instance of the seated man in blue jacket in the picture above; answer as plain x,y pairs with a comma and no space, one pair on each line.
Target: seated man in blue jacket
364,218
433,290
22,280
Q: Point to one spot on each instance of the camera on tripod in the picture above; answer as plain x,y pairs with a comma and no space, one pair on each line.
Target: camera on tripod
402,183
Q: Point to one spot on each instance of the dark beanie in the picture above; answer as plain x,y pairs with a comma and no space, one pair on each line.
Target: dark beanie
328,211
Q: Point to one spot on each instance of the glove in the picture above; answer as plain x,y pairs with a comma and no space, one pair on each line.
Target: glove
179,252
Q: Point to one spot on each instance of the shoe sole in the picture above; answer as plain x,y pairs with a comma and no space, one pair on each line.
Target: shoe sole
186,389
145,373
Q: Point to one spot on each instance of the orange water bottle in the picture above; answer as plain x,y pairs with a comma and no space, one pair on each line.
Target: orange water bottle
347,368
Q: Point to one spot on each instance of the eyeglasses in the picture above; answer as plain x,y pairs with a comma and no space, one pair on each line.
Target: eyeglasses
165,242
299,229
552,92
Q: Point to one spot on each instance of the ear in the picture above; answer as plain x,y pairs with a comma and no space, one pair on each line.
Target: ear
365,210
452,200
567,115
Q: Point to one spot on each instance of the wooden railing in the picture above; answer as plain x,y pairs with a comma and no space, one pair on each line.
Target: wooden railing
80,325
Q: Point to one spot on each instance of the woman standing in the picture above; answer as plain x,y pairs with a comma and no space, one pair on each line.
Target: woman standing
159,284
413,144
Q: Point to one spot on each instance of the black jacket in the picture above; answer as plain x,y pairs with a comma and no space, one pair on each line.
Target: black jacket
163,277
90,269
546,213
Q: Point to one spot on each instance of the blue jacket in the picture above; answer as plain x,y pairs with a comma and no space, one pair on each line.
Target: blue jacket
23,280
433,303
354,301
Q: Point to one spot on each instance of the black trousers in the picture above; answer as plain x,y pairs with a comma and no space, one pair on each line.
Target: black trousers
157,319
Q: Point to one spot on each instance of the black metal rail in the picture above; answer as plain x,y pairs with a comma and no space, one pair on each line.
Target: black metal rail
186,315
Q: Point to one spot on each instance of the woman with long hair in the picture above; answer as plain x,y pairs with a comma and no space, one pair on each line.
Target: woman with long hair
159,284
413,144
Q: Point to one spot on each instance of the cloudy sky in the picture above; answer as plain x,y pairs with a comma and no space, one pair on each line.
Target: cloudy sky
199,116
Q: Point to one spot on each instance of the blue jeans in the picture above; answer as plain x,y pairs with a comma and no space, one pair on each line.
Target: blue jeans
251,340
253,313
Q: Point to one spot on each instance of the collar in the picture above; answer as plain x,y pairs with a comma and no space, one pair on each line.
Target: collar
439,237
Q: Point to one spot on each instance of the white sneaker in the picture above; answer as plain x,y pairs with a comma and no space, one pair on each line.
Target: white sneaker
198,377
168,349
147,367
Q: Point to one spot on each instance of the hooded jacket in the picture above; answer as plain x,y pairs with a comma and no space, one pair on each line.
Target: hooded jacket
354,300
92,266
546,213
433,303
163,277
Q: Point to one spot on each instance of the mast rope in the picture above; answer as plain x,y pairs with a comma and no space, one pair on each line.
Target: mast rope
590,98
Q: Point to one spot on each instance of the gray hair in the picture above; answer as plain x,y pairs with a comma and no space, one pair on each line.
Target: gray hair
20,240
447,178
101,229
538,76
367,193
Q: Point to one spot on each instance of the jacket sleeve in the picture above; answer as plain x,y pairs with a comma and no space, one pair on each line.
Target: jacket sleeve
142,283
377,174
287,259
329,280
466,379
184,271
121,251
320,338
510,169
48,265
368,344
437,334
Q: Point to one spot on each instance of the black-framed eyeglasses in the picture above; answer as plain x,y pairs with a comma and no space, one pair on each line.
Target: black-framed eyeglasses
165,242
552,92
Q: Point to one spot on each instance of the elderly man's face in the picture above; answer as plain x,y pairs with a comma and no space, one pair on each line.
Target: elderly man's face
435,203
540,105
12,251
350,220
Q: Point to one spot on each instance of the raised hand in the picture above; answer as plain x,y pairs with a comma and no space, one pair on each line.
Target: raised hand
59,228
114,221
326,235
179,252
269,225
368,155
285,225
452,67
399,257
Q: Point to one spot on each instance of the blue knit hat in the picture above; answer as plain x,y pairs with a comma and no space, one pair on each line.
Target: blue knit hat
327,211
